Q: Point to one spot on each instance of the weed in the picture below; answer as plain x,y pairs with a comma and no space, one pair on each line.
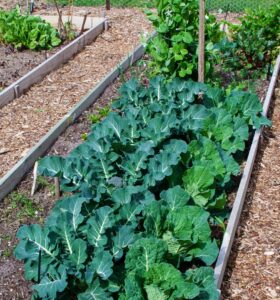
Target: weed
24,204
103,112
84,136
7,253
42,181
94,118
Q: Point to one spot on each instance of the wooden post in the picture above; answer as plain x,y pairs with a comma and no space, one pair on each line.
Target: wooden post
108,5
201,46
34,184
57,188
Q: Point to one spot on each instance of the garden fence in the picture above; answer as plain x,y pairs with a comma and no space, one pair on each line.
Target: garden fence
216,5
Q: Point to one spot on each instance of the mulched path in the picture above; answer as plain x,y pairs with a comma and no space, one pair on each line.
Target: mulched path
28,118
254,267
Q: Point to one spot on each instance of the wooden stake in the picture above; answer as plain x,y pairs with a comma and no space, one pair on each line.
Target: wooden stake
108,5
34,184
84,22
57,188
201,46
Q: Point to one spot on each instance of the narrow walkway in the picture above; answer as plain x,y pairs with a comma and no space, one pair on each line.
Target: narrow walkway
254,266
24,121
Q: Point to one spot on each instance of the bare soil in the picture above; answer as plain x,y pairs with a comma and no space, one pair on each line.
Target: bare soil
254,266
16,63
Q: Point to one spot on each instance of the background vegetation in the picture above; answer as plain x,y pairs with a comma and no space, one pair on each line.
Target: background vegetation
231,5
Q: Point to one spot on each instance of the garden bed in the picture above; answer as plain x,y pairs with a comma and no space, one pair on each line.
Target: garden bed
119,171
253,266
14,213
15,64
14,210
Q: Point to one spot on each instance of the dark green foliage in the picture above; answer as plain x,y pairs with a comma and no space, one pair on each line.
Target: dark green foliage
174,49
144,185
26,31
254,44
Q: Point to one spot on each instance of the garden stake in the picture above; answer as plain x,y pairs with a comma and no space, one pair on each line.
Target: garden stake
34,184
201,57
84,22
108,5
39,266
57,188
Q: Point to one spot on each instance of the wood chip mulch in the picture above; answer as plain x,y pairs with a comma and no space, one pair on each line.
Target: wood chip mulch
254,266
24,121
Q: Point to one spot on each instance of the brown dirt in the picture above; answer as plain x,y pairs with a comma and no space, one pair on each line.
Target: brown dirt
13,212
254,267
28,118
15,63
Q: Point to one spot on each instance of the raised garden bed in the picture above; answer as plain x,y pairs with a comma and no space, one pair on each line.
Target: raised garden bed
190,138
35,75
66,143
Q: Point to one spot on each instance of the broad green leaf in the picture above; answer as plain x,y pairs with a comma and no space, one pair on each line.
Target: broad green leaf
124,238
144,253
155,293
155,214
79,252
206,252
95,292
98,225
194,117
32,239
203,277
175,197
51,166
123,196
189,224
101,265
51,285
198,182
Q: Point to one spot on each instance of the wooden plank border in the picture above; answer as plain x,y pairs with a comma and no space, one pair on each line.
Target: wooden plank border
14,176
17,88
242,190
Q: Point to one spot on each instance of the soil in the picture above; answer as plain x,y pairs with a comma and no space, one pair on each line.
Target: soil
254,266
15,63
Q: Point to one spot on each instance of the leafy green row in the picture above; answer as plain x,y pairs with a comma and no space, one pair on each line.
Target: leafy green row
26,31
143,186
